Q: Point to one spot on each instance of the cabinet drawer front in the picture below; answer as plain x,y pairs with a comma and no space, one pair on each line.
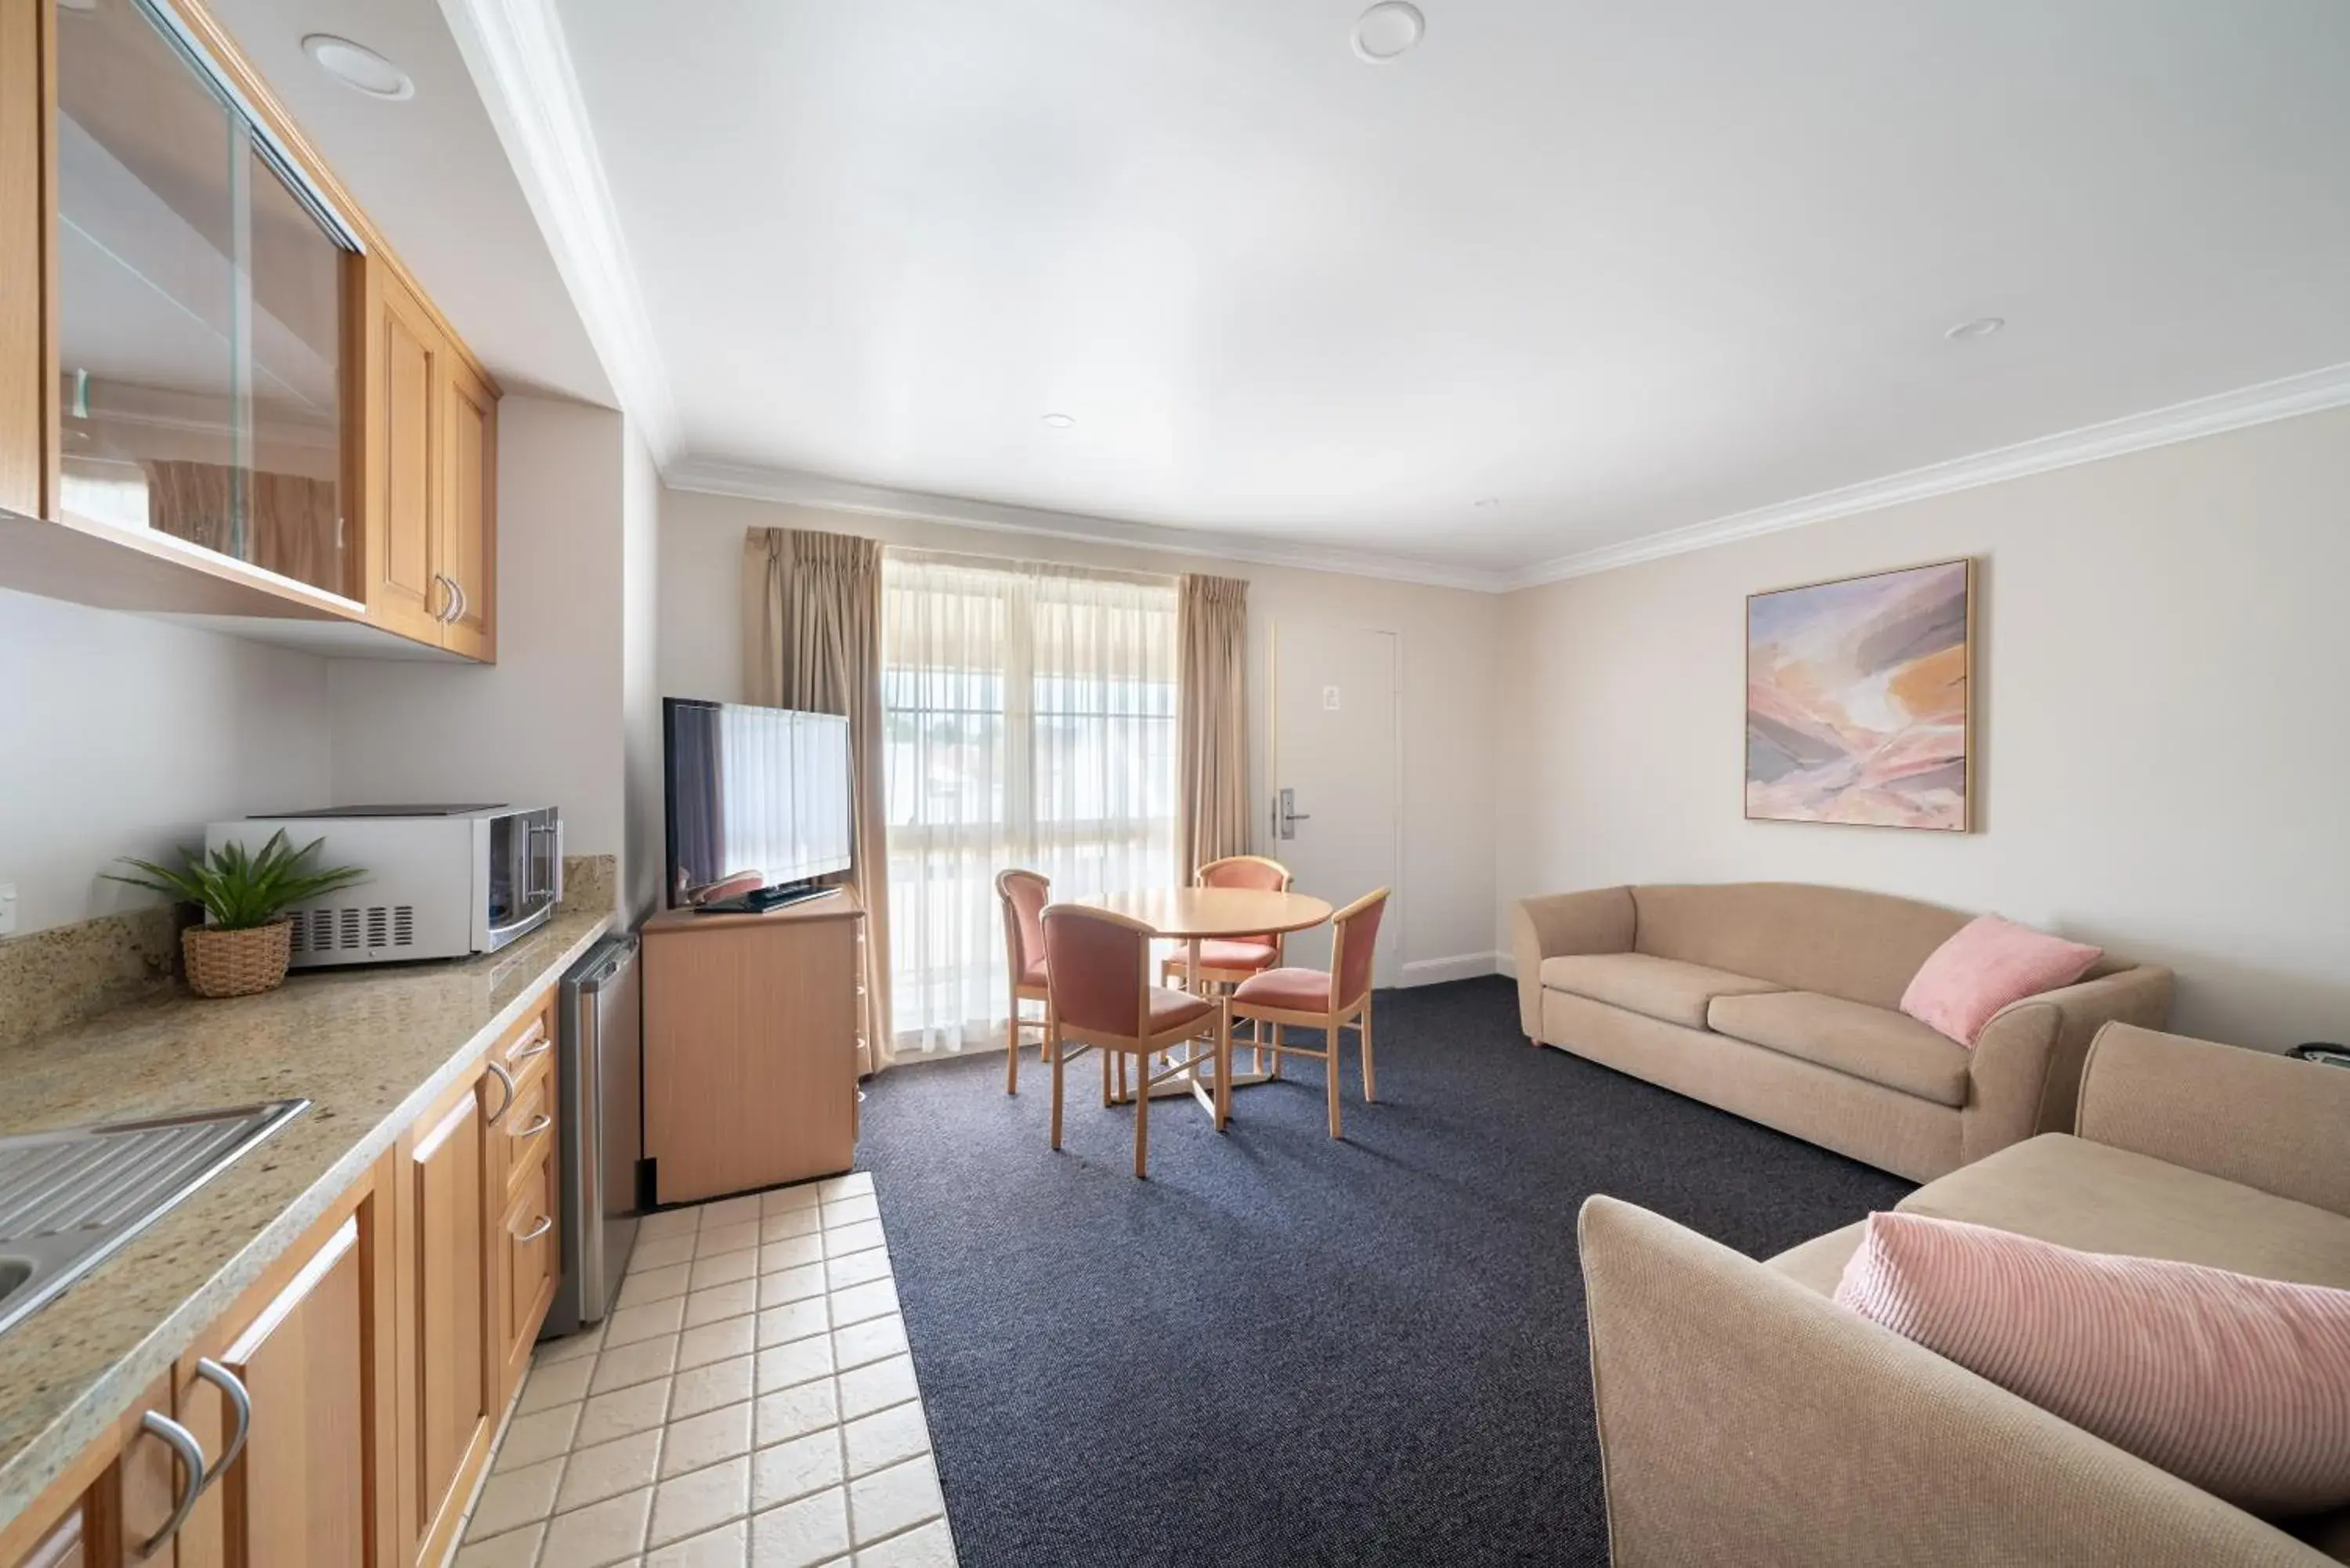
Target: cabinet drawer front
530,1042
526,1131
533,1263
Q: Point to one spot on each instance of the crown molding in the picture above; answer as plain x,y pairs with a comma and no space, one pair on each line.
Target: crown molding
714,477
2281,400
515,51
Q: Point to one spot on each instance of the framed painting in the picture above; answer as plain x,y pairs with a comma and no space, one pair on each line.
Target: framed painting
1860,699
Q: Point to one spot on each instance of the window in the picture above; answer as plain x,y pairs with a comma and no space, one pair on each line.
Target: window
1030,719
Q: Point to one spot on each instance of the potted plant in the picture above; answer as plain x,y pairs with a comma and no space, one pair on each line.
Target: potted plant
244,946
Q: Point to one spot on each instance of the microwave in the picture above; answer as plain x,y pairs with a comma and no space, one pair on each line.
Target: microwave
442,881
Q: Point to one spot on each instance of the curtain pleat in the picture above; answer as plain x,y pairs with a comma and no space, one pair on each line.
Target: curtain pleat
1032,723
812,641
1213,626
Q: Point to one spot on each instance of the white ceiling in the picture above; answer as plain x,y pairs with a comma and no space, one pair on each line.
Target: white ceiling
435,177
1626,268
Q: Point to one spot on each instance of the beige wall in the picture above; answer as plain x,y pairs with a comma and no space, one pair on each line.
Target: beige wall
542,725
1445,895
2164,721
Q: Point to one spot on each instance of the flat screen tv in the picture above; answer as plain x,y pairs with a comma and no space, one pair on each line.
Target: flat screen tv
758,803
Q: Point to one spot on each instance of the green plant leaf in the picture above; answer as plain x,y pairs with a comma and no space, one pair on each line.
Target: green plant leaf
240,888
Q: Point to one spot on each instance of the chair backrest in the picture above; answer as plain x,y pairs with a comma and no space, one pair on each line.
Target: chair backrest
1097,968
1251,871
1023,895
1245,871
1354,942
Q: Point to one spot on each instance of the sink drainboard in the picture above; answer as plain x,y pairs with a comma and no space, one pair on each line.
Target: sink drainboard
67,1199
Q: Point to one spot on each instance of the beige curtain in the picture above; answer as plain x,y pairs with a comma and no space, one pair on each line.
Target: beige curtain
812,640
1212,635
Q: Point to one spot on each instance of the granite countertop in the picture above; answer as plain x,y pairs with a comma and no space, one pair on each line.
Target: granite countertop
369,1048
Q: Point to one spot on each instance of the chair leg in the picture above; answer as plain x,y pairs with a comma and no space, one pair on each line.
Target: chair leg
1053,1050
1223,1071
1011,1049
1370,1088
1274,1052
1330,1038
1141,1124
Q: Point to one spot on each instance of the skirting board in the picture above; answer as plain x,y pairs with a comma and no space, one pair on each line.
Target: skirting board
1460,965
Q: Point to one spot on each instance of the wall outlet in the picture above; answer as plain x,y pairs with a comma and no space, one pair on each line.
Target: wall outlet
7,908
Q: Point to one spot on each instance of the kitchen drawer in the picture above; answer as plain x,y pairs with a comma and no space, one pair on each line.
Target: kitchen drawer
527,1127
531,1042
530,1264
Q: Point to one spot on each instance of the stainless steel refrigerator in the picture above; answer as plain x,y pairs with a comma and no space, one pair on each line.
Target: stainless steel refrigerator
602,1115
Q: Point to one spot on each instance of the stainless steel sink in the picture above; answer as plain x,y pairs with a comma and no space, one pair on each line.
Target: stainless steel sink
67,1199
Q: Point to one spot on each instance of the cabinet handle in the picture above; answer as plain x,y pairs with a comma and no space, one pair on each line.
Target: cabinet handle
457,611
448,597
506,1081
538,1123
546,1223
540,1044
192,1460
240,1401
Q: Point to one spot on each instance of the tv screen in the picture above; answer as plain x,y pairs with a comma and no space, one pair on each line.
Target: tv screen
754,792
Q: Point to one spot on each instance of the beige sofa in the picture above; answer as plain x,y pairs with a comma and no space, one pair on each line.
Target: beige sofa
1745,1417
1781,1001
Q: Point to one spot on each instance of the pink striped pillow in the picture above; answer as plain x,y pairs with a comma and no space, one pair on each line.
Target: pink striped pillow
2240,1386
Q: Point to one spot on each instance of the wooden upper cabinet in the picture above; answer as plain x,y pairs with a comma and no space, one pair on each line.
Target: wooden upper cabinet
216,381
406,376
27,227
469,519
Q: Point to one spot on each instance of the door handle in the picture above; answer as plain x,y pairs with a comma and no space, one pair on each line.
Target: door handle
240,1401
191,1453
1286,814
505,1081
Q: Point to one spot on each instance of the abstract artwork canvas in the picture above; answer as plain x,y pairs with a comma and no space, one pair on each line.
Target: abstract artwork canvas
1859,701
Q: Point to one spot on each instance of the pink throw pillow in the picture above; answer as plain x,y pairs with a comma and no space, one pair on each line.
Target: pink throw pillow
2240,1386
1988,963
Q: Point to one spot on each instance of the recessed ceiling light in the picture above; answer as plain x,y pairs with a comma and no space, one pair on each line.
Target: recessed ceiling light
1981,327
1387,31
358,68
1489,501
1060,422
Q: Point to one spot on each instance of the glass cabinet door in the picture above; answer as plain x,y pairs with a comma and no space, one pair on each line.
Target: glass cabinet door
200,309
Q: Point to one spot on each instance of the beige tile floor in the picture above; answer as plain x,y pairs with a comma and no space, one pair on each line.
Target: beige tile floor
749,1403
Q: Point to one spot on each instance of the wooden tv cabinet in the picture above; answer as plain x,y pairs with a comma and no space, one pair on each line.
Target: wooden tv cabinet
751,1032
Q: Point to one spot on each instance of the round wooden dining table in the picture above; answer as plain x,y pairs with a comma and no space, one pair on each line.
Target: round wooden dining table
1193,915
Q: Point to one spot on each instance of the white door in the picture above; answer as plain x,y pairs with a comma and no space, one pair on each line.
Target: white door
1332,763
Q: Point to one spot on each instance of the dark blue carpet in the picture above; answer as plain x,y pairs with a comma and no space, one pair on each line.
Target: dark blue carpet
1285,1350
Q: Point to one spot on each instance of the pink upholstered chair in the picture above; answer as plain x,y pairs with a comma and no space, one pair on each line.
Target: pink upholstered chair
1331,1001
1023,896
1098,970
1230,960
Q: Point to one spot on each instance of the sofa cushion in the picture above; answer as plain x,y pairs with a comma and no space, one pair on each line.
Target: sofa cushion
1654,987
2239,1384
1884,1047
1863,947
2081,1194
1818,1264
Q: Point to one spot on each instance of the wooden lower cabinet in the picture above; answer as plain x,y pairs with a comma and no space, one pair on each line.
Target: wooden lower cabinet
357,1385
308,1352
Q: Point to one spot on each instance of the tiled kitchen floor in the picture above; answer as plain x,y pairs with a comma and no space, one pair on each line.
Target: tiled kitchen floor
748,1404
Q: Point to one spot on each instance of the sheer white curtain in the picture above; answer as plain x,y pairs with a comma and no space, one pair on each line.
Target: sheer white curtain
1030,718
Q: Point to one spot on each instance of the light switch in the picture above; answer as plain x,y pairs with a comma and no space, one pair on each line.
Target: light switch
1330,698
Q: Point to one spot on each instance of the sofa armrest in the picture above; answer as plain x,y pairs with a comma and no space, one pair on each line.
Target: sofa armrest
2244,1116
1598,921
2027,1062
1743,1418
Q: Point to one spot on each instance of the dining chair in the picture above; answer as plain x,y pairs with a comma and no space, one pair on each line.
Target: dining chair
1230,960
1022,895
1332,1000
1097,971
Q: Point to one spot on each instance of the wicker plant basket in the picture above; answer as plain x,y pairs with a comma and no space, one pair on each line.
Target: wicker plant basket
239,963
